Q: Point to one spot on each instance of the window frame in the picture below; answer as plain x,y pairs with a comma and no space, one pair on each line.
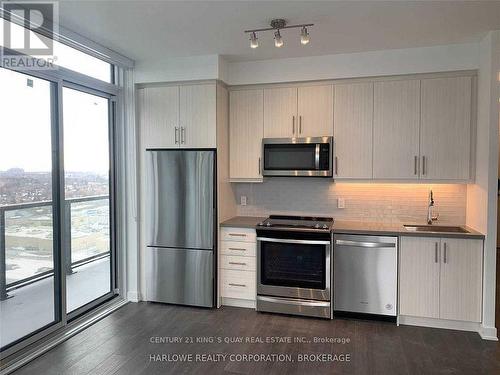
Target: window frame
60,78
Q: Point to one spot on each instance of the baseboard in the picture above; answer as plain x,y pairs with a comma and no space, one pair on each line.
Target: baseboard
440,323
237,302
133,296
488,333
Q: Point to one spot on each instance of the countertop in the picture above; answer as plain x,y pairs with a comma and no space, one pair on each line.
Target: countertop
243,221
359,227
397,229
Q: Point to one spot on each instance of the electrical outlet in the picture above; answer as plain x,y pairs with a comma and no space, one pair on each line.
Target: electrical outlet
341,203
243,200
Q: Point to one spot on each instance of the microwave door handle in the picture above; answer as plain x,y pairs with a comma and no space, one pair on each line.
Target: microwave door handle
316,157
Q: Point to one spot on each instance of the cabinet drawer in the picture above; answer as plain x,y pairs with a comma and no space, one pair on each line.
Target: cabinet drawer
230,262
238,284
246,249
238,234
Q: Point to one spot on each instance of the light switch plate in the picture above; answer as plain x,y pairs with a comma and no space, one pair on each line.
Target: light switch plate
341,203
243,200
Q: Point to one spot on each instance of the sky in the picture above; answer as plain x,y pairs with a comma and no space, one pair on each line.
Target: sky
25,140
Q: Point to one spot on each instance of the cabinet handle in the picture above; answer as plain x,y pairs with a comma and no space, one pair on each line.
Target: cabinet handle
444,254
259,166
293,125
237,248
237,234
242,285
300,124
436,253
183,135
336,165
415,166
176,133
238,263
423,166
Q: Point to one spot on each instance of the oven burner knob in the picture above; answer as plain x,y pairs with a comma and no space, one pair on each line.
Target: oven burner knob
268,224
325,226
260,224
316,226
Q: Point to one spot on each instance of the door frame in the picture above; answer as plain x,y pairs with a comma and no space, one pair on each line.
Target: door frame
59,78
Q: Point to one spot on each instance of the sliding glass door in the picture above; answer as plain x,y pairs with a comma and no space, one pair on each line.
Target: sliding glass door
87,210
29,285
57,250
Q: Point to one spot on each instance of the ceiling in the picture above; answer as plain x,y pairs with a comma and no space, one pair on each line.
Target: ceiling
156,30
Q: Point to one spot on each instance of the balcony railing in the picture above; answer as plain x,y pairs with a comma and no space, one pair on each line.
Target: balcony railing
26,239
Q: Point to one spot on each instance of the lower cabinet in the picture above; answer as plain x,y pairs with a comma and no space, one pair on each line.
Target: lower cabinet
238,267
441,278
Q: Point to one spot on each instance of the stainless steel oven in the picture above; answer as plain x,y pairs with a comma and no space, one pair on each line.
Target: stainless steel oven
294,269
308,157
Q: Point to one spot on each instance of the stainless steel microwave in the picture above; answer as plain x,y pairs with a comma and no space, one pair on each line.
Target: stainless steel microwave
309,157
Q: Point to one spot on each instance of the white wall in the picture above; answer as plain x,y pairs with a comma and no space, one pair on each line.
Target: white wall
364,64
177,69
482,196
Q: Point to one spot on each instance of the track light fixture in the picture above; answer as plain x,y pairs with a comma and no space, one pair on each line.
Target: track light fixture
277,25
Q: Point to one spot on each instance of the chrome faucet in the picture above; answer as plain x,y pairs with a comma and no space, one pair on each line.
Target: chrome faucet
431,218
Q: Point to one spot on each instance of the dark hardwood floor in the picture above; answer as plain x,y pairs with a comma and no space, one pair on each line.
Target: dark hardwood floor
121,344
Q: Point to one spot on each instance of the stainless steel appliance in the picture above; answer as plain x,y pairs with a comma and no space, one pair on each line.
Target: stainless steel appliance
310,157
365,274
293,265
180,226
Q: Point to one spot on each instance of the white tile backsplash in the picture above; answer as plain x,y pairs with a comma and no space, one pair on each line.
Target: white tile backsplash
374,202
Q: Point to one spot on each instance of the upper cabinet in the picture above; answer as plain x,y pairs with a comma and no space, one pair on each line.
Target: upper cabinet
396,123
246,115
197,116
178,116
315,111
305,111
353,130
159,116
280,113
445,132
414,128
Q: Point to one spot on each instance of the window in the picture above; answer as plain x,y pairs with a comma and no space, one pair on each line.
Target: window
26,207
66,56
57,254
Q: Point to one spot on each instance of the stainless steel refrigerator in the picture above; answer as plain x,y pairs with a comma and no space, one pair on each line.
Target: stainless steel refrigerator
180,226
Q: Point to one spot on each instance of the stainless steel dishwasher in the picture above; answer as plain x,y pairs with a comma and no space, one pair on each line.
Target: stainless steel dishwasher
365,274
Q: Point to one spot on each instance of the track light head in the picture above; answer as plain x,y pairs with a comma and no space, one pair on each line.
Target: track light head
278,40
254,41
304,36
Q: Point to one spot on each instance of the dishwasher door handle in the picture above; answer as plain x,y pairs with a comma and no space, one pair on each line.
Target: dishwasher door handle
364,244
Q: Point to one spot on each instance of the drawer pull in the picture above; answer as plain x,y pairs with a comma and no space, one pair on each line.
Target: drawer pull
237,248
242,285
237,234
238,263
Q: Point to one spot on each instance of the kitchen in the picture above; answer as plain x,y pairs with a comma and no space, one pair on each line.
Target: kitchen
293,204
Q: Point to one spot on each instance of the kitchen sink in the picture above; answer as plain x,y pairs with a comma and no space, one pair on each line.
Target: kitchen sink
435,229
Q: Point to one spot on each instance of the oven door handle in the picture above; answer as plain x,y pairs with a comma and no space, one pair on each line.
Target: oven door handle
282,240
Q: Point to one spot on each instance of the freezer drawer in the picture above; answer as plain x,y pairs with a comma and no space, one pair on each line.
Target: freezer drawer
180,276
365,274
